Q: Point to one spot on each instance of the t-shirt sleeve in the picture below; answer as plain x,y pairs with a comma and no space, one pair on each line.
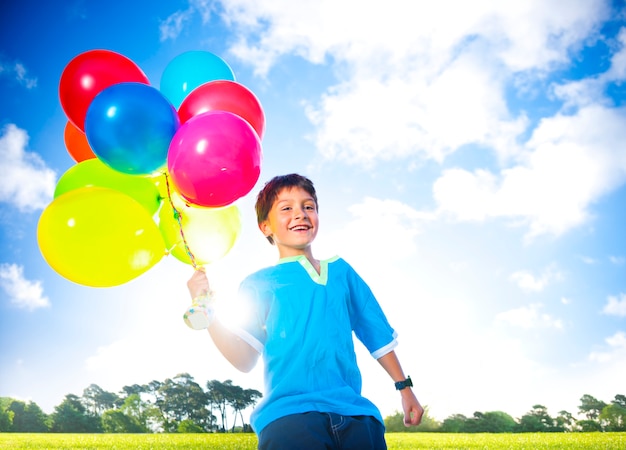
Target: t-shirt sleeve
250,311
369,322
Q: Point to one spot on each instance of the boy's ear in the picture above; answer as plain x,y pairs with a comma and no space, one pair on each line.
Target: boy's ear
265,228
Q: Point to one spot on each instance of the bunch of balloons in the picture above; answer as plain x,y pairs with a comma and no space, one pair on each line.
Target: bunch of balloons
157,170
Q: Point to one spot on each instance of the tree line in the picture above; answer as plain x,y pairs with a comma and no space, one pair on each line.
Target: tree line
598,416
178,404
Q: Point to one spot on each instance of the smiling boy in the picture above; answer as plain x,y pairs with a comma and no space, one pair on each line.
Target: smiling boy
303,315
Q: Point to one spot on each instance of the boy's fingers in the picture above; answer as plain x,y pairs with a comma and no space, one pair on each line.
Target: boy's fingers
413,418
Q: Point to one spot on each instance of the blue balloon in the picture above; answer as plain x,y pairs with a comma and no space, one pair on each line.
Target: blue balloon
129,127
189,70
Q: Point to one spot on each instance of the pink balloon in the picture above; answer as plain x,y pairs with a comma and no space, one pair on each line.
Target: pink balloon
214,159
224,95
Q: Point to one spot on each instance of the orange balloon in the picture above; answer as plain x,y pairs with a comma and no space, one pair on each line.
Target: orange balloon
76,143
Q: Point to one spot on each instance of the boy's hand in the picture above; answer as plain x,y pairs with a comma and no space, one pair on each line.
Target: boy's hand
198,284
202,310
413,411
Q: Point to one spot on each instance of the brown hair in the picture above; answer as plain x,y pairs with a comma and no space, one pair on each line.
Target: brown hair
266,198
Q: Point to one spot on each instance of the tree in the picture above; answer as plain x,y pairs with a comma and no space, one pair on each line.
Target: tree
587,426
72,417
564,421
6,415
28,417
454,424
137,409
620,400
17,407
219,394
395,423
591,407
97,400
537,420
497,422
241,399
130,417
489,422
613,417
115,421
156,414
184,399
189,426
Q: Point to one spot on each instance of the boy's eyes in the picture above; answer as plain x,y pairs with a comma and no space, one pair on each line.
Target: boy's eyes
306,207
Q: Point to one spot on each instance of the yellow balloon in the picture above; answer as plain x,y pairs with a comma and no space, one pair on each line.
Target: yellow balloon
210,233
98,237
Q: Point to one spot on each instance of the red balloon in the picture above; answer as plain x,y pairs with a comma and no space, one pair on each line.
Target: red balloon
88,74
214,159
76,143
224,95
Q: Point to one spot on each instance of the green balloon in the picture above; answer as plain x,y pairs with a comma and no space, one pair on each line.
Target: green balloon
94,173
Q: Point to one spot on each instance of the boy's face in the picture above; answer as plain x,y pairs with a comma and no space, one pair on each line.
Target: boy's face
292,222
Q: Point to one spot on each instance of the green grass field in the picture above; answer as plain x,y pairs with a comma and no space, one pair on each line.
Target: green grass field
404,441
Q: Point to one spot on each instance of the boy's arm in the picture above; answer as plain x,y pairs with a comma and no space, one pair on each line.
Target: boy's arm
237,351
413,411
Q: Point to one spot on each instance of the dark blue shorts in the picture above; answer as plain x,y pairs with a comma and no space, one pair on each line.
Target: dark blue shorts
315,430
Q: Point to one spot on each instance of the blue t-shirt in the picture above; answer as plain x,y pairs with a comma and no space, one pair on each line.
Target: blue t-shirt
301,322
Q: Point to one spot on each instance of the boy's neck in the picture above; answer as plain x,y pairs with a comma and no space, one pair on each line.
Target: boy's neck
307,252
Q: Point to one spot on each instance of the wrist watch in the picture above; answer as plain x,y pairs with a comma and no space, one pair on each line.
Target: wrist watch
404,384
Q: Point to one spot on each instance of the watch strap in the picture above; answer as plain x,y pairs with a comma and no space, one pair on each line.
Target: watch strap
404,384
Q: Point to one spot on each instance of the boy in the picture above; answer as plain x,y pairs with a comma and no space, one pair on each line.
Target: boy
303,314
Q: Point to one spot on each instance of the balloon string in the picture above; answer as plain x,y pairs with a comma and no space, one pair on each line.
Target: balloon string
178,217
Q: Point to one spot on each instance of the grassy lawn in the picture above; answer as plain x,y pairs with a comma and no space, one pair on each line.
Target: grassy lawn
395,441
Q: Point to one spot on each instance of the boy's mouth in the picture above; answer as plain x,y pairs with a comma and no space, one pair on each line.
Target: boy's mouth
300,228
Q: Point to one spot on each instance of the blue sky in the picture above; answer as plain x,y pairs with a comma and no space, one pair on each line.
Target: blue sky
470,162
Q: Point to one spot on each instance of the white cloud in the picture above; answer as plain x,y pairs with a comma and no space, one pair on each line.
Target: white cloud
25,180
615,306
529,317
531,283
571,162
22,292
615,352
617,71
588,260
388,227
527,35
405,113
172,26
18,72
427,83
592,90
